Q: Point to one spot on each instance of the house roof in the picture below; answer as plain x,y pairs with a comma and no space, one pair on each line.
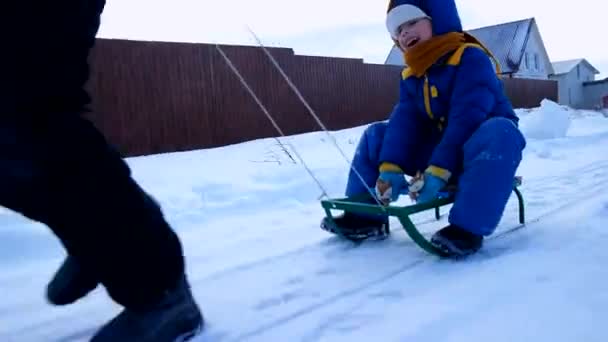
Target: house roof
395,57
588,83
507,41
564,67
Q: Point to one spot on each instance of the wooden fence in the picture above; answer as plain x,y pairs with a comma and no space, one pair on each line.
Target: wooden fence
528,93
155,97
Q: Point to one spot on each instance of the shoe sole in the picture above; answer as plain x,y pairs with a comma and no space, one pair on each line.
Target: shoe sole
190,334
383,234
451,251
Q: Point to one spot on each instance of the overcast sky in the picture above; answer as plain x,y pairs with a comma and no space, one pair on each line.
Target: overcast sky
341,28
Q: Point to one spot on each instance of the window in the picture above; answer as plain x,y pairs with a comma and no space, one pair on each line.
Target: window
527,60
569,96
536,63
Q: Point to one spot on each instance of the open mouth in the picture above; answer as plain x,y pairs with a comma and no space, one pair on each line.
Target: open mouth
411,42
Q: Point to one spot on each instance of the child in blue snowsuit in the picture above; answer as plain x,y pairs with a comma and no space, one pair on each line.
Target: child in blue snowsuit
452,123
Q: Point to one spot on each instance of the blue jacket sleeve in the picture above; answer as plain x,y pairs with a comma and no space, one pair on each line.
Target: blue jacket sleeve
402,130
471,101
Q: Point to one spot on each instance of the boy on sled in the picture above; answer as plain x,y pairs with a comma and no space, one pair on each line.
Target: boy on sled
453,125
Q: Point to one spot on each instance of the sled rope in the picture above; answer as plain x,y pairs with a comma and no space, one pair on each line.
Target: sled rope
317,119
276,126
248,88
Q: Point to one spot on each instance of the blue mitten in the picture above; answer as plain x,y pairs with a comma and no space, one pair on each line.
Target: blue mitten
391,183
435,179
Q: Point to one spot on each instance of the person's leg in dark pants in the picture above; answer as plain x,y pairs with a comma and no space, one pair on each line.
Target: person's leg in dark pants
56,168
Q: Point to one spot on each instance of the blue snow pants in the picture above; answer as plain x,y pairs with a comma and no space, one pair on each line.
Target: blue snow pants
491,157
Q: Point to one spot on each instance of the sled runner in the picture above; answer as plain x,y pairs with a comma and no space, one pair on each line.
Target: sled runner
403,213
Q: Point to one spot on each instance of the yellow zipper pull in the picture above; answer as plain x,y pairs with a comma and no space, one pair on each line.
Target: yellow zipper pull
427,97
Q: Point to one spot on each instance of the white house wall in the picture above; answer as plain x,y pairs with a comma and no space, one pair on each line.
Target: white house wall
535,63
562,89
571,91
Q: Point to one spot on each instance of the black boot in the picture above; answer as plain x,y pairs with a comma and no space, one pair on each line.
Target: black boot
357,228
70,283
457,242
175,317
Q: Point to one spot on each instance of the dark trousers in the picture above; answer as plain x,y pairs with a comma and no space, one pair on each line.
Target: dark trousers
55,166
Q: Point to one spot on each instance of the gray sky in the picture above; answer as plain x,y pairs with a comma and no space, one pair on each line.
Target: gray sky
341,28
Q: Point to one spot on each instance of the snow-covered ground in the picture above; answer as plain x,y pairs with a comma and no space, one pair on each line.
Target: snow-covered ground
262,270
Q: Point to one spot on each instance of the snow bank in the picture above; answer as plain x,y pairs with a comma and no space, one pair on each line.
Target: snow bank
550,121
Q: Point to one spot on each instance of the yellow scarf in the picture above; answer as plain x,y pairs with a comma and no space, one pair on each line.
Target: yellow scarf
426,53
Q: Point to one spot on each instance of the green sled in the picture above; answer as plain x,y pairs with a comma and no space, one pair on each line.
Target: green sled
403,213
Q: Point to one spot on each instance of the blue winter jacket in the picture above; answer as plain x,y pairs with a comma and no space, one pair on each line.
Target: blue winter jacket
446,105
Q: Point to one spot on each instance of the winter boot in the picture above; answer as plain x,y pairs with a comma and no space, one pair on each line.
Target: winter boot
70,283
357,228
175,317
457,242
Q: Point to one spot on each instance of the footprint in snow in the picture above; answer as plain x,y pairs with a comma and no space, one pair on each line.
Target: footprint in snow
284,298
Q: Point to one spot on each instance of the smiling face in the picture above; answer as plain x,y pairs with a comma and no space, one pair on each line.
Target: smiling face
414,32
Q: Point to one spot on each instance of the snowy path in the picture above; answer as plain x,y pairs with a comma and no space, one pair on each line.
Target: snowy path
335,292
263,271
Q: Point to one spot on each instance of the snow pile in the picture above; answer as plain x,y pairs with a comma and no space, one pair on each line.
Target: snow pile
550,121
587,122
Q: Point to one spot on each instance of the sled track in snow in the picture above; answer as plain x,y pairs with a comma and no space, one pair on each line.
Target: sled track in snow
347,293
581,198
332,242
343,294
336,243
352,291
572,198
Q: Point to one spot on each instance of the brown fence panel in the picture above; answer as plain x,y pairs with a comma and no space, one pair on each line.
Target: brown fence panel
148,97
528,93
155,97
